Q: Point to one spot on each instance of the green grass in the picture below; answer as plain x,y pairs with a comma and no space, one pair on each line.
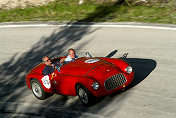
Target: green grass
69,10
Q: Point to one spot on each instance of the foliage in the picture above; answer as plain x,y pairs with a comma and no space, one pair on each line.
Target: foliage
96,11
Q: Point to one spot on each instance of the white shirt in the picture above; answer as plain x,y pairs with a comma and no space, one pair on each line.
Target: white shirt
68,58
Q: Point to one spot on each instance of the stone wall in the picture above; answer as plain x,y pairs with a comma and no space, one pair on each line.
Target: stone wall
10,4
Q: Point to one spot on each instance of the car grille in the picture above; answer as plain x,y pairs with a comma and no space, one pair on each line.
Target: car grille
115,81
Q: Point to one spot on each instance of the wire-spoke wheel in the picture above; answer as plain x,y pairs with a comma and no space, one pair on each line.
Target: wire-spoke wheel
38,91
84,95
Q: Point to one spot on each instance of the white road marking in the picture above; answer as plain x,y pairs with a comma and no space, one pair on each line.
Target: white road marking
90,25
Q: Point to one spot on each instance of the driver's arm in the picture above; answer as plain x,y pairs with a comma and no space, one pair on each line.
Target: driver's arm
62,60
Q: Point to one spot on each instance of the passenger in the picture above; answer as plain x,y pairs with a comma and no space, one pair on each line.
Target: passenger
51,66
71,55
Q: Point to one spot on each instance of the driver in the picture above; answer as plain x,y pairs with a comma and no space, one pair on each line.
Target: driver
51,66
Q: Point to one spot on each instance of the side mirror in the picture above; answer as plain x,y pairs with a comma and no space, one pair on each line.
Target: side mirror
88,55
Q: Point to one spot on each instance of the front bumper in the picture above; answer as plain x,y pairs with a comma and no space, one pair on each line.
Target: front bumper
105,90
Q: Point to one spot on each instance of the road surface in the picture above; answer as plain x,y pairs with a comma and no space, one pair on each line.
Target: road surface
149,48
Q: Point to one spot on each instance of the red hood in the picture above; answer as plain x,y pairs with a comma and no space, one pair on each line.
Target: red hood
83,66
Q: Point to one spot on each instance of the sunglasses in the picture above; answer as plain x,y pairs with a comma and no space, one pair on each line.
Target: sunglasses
47,60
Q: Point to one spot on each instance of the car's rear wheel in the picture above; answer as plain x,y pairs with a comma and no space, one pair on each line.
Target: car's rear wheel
84,95
38,91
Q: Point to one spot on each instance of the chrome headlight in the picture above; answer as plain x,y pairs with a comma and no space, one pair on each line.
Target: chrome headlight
129,69
95,85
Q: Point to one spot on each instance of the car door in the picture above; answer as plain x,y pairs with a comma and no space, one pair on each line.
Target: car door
55,81
62,84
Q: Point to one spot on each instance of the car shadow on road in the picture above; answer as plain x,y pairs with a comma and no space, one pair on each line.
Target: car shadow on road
142,69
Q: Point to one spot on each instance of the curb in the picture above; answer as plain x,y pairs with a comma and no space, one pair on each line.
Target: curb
90,24
55,23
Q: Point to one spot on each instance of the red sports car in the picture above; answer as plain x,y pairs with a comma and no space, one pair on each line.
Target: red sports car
86,77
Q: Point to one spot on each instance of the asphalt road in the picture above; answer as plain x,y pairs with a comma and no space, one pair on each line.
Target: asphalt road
151,52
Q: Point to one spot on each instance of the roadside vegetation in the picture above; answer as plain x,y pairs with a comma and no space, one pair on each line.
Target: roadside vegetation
163,11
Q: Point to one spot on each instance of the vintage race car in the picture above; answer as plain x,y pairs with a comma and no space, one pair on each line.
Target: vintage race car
86,77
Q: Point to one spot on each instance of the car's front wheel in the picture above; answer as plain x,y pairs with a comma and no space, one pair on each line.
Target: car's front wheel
38,91
84,95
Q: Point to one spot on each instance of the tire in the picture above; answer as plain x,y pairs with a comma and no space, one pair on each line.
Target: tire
38,91
84,95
